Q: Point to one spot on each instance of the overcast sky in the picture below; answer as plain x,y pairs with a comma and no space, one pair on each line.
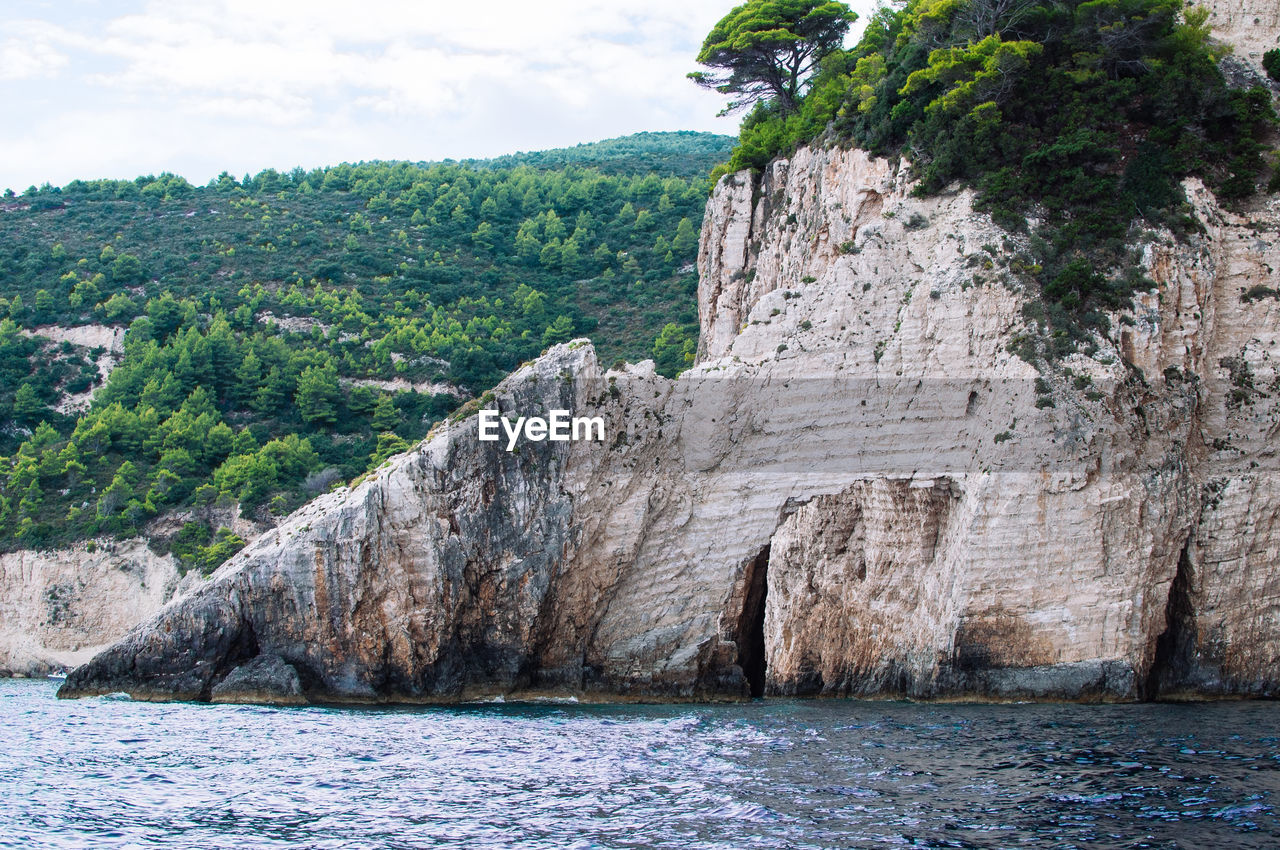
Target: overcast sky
119,88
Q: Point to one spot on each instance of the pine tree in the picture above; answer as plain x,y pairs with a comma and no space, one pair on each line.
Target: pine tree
561,330
27,405
385,415
318,394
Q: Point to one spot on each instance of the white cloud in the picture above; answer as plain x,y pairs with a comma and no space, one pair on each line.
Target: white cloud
283,111
21,59
195,86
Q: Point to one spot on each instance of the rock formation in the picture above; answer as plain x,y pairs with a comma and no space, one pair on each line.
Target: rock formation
1251,27
265,679
855,491
858,490
60,607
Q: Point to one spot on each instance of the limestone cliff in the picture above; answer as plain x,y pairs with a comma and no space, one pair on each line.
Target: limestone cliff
857,490
1251,27
60,607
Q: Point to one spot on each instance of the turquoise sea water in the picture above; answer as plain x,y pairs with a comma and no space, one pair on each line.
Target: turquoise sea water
109,772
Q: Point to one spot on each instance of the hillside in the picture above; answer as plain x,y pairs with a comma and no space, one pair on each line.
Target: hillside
288,331
680,154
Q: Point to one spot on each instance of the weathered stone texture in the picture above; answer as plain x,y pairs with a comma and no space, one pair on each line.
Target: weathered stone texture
58,608
858,490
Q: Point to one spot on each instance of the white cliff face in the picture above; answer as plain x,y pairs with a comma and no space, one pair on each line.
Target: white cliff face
59,608
857,490
1251,27
988,541
1132,554
1219,320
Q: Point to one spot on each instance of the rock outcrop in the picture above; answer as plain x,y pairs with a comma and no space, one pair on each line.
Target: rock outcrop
1251,27
859,489
265,680
58,608
106,340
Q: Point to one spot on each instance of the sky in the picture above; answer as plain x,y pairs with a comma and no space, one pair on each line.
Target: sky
121,88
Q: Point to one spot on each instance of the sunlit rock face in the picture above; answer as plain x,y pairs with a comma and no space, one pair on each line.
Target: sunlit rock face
1250,27
857,490
60,607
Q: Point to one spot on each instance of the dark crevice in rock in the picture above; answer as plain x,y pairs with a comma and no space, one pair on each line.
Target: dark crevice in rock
1176,647
242,648
751,651
808,682
311,679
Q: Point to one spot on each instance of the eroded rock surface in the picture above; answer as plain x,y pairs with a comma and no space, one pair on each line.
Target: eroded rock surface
58,608
1250,27
858,490
265,680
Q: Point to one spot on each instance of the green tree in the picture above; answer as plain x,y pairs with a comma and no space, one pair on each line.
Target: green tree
116,497
361,400
27,405
248,378
318,394
686,238
389,443
218,443
73,467
528,246
32,499
767,49
118,307
43,306
126,270
225,544
482,238
385,415
1271,63
85,292
273,392
561,330
551,255
673,350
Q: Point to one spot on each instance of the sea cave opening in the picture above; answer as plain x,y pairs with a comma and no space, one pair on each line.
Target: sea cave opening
751,651
1174,660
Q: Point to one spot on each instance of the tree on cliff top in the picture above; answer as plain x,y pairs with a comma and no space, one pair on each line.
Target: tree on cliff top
766,49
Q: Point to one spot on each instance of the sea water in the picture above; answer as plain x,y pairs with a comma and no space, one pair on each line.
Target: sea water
109,772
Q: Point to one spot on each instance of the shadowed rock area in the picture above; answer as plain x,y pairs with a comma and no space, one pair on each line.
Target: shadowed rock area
266,680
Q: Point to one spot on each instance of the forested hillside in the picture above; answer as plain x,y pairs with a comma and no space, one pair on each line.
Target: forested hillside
288,331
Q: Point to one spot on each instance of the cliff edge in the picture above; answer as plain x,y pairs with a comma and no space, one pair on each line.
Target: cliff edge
857,490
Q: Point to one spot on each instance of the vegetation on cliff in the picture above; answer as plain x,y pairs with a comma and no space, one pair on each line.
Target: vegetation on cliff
1082,116
287,331
765,50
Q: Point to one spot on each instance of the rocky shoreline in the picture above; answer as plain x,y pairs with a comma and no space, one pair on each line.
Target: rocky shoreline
858,490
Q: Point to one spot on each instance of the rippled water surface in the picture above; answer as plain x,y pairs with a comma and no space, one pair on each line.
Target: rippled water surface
109,772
